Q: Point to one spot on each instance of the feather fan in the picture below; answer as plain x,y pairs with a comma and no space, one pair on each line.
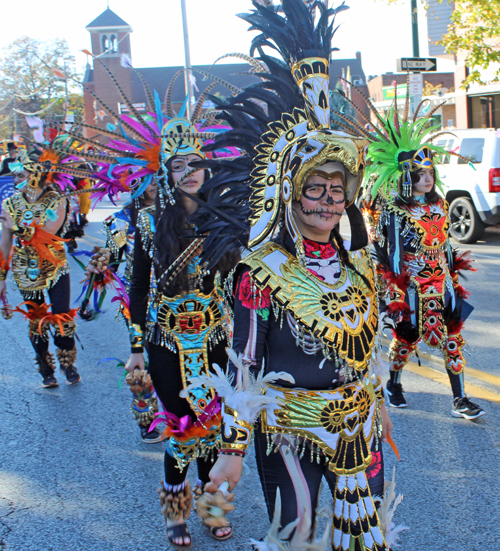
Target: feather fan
246,395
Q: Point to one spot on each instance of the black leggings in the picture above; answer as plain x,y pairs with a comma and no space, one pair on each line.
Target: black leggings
167,381
301,478
59,295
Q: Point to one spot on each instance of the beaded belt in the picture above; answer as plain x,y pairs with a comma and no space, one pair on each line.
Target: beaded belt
339,421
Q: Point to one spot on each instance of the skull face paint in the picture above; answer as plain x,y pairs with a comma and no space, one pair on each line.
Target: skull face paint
322,201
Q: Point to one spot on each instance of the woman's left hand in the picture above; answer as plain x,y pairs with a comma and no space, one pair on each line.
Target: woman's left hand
386,423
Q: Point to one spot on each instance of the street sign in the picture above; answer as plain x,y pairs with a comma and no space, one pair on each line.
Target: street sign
416,84
417,64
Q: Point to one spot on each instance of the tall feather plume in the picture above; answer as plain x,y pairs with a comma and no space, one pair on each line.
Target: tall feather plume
407,100
201,135
249,59
354,125
358,110
115,116
234,89
128,103
99,131
396,112
210,118
90,141
429,116
168,95
199,104
127,63
97,158
417,110
368,102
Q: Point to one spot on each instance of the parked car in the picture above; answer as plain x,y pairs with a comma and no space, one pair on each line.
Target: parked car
472,187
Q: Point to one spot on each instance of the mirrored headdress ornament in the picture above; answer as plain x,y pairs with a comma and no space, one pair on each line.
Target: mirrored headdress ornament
139,145
283,124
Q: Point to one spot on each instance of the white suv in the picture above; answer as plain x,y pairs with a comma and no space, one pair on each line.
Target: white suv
472,191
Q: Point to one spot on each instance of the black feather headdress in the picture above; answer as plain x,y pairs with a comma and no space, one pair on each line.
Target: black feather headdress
282,125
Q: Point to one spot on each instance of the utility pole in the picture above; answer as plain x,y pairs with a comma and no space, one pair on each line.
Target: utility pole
416,79
414,28
188,85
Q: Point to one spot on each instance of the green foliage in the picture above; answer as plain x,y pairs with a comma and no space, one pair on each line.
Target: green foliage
29,85
474,29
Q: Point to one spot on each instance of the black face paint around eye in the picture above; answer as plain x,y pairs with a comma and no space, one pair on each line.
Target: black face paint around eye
320,213
307,196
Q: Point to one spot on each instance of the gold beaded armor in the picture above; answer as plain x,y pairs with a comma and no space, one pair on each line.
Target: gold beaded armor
31,274
344,317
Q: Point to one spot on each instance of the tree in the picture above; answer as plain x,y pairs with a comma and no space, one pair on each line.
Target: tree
474,30
32,81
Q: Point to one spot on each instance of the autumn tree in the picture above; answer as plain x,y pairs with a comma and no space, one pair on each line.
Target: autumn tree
474,30
32,82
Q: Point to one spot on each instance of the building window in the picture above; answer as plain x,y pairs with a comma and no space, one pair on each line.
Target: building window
104,43
114,44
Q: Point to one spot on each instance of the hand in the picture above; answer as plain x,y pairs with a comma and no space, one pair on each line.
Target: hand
7,223
135,361
386,423
227,467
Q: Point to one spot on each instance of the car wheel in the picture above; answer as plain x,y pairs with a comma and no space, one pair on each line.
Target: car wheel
466,225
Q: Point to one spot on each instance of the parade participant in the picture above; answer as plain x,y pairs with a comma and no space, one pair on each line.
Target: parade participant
120,230
176,305
184,322
5,166
305,308
418,266
35,217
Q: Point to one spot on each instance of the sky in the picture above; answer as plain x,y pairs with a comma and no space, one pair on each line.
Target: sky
381,32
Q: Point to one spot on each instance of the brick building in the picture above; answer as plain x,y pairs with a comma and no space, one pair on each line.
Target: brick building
110,38
381,91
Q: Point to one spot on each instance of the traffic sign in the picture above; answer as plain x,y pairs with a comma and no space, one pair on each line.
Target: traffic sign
417,64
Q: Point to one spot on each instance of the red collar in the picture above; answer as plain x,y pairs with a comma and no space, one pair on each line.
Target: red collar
313,249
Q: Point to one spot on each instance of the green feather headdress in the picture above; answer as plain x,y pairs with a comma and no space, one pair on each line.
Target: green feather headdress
393,135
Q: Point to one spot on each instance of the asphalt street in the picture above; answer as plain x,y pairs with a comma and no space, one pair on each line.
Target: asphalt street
74,474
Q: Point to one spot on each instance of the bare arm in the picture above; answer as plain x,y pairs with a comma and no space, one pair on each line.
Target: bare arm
6,240
5,244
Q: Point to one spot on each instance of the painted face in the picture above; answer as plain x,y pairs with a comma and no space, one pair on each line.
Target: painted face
425,182
323,200
180,166
20,177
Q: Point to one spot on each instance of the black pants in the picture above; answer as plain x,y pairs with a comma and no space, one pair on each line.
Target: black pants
300,479
59,295
165,372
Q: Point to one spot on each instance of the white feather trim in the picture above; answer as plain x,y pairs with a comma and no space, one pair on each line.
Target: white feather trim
386,513
246,395
302,540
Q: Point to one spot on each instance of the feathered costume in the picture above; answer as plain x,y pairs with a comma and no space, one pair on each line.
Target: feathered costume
417,266
39,262
184,330
295,299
